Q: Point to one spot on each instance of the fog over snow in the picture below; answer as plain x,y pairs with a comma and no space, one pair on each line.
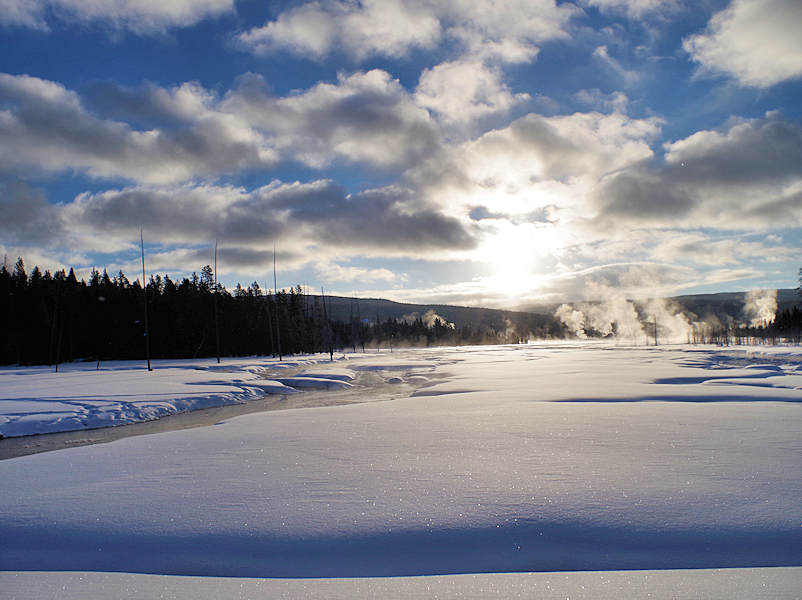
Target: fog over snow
454,151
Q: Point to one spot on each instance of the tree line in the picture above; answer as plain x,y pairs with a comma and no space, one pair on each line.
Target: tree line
55,317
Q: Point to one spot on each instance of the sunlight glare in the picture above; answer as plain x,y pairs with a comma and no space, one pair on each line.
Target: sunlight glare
512,253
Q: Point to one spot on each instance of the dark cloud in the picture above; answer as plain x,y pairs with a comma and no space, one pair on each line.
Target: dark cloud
48,128
365,117
186,132
738,177
391,218
26,217
542,214
388,221
148,104
638,195
762,150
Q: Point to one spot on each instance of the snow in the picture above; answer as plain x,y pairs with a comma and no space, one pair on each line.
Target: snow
755,584
308,381
80,396
540,457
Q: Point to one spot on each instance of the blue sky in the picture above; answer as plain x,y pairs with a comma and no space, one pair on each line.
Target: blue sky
469,152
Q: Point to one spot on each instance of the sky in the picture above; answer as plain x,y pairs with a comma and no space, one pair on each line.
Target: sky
472,152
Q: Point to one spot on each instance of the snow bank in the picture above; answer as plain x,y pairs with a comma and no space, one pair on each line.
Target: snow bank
308,381
80,396
38,400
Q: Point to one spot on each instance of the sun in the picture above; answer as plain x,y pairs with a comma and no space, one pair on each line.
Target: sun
512,253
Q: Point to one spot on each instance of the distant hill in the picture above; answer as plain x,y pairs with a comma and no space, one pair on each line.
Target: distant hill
722,304
525,322
730,303
538,320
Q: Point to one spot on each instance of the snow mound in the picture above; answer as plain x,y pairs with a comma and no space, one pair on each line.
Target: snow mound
311,382
329,373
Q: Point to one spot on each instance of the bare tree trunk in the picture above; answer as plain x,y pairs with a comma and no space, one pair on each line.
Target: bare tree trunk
144,300
275,295
216,315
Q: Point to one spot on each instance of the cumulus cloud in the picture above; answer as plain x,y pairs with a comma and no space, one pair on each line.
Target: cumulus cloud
757,150
745,175
310,221
461,91
757,42
536,148
186,132
26,217
634,8
364,117
45,127
386,27
140,16
508,31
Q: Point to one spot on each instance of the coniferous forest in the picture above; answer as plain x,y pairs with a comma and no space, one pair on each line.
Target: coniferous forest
53,318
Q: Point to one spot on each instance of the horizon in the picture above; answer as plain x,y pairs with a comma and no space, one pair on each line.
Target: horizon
422,152
532,307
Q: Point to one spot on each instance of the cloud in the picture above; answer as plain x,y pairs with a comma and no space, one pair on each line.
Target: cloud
630,279
702,249
26,217
508,31
595,98
139,16
745,151
365,117
462,91
628,76
45,127
633,8
539,148
746,175
757,42
25,13
150,104
336,273
310,222
186,132
372,27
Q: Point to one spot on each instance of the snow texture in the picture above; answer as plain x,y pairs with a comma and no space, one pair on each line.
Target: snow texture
527,458
81,396
755,584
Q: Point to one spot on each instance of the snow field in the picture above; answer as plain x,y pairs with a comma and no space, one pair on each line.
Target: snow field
755,584
520,458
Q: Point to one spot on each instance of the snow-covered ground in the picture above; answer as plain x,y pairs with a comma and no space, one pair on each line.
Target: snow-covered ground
548,457
776,583
83,396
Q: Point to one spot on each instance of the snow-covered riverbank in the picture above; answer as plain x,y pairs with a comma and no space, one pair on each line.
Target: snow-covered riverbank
37,400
